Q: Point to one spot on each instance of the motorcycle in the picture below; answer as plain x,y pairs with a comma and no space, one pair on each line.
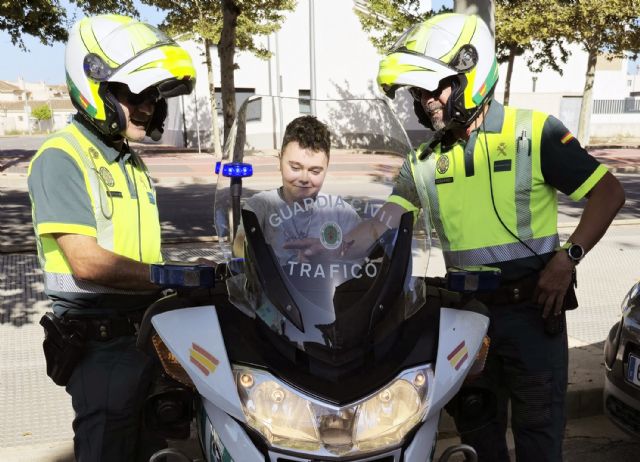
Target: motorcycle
344,355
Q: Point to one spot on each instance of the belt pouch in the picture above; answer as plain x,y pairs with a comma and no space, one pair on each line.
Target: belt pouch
63,347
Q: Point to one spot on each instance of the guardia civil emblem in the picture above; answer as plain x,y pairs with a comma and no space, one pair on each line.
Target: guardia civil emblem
331,235
106,176
94,152
443,164
502,149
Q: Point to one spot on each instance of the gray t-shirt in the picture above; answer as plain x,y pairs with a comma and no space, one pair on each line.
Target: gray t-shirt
282,222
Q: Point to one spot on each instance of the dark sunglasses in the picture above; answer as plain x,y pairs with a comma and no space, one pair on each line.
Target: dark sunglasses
150,95
418,93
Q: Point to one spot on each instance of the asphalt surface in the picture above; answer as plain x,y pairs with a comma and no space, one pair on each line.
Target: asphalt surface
35,414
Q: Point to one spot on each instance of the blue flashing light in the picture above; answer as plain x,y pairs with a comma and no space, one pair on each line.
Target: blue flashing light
237,170
218,164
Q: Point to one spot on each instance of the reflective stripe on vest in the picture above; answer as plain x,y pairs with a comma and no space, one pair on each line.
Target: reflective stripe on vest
61,282
102,206
458,193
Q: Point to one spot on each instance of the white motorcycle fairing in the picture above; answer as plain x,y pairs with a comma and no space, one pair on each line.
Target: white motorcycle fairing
190,332
461,335
193,336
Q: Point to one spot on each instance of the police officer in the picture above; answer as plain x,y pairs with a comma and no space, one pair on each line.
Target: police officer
488,176
96,221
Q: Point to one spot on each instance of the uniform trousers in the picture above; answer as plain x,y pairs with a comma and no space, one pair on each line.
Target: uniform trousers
108,388
528,368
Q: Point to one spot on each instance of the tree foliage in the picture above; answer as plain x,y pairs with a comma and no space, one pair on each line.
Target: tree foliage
531,27
42,112
232,25
48,21
385,20
608,28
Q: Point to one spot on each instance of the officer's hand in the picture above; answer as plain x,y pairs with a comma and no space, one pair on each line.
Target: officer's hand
553,283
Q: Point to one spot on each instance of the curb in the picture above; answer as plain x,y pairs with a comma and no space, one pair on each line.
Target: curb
611,146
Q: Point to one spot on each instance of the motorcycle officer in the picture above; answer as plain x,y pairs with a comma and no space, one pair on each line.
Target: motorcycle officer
488,176
97,227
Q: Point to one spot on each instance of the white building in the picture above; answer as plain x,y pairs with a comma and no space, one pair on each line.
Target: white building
616,113
19,99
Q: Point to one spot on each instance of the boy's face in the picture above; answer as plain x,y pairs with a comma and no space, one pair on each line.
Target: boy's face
303,171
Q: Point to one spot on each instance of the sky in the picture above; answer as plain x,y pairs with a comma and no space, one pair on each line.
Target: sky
46,63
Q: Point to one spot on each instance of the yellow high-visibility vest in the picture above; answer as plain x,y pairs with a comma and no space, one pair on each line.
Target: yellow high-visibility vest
507,167
126,224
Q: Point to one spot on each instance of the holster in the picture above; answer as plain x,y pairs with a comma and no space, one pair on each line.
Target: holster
63,347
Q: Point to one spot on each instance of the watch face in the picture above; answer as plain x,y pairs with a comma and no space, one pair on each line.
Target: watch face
576,252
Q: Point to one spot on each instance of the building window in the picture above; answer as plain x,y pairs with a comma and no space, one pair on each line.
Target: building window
254,110
304,101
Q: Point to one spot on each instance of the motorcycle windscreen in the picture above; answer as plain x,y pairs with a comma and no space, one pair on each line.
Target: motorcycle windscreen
326,268
335,302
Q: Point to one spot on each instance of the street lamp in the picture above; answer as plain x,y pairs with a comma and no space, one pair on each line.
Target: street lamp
534,79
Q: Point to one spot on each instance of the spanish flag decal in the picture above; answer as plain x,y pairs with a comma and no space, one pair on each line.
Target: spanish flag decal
203,360
566,138
458,356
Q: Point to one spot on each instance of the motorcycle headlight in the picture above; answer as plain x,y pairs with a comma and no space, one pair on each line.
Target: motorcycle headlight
289,420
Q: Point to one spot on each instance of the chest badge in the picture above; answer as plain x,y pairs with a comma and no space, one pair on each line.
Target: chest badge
106,176
94,152
502,149
442,165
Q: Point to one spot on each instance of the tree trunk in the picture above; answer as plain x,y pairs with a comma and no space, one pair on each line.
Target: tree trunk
587,99
226,52
483,8
215,132
507,82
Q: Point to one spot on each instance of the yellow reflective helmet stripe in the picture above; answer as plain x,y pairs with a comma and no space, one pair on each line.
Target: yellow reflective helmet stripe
468,89
391,69
177,61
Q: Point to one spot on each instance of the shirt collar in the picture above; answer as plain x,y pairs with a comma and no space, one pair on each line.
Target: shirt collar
110,153
494,118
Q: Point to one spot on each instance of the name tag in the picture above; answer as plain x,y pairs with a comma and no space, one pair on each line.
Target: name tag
502,165
114,193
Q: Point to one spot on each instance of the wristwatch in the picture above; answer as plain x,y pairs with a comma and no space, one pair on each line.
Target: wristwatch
575,252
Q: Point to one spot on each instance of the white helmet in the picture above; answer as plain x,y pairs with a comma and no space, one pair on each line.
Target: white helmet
116,49
449,45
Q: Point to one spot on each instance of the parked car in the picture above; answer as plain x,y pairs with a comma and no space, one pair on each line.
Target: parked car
622,363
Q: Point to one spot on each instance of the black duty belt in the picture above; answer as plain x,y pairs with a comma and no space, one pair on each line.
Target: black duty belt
510,293
104,329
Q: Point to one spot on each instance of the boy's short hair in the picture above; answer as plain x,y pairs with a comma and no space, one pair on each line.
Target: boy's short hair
309,133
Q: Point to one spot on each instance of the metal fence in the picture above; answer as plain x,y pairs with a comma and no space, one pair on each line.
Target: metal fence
616,106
